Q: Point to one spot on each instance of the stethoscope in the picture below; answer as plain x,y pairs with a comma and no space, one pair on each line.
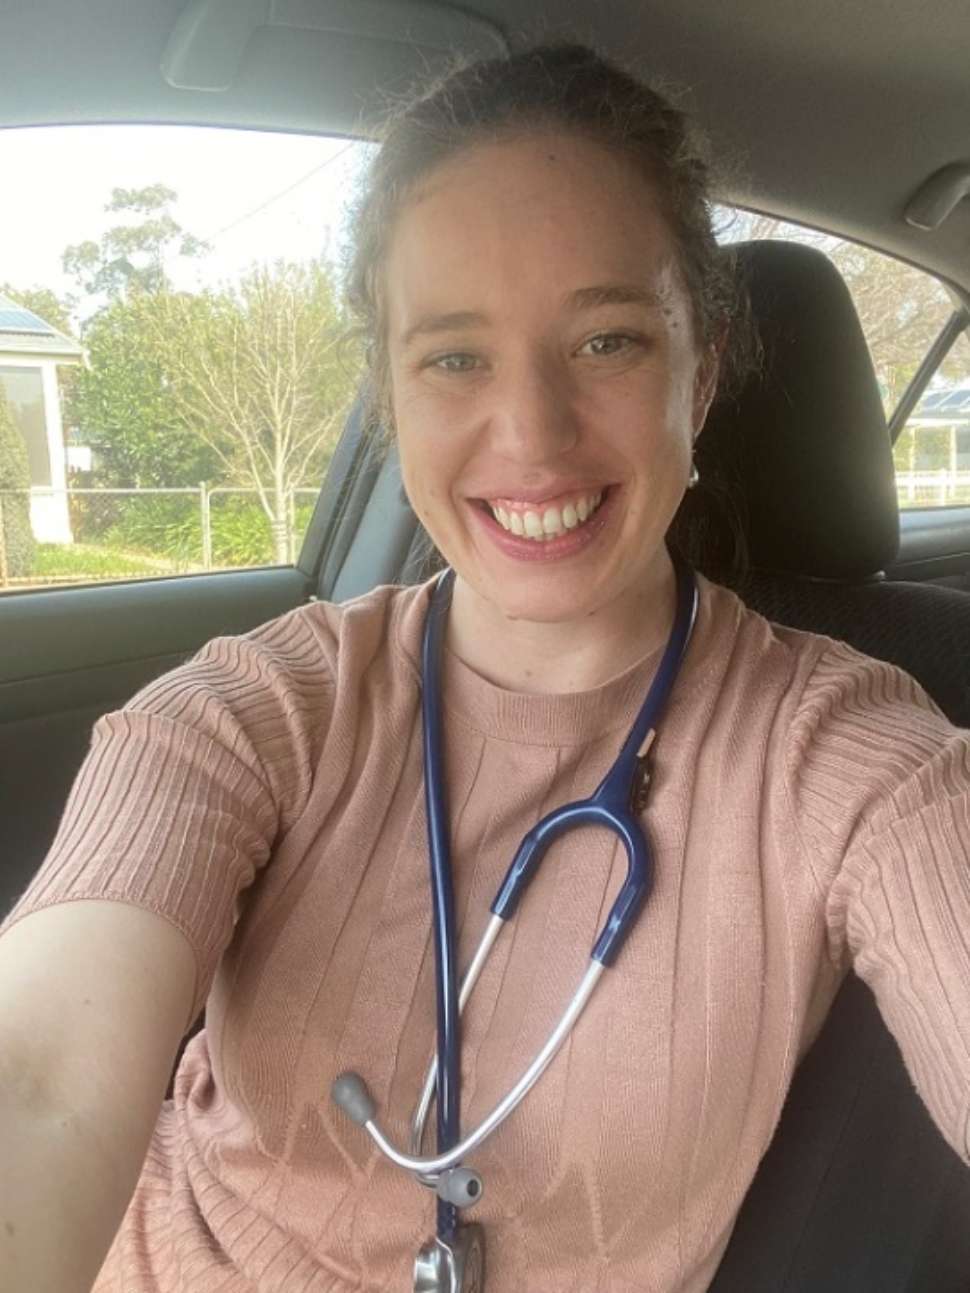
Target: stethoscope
454,1260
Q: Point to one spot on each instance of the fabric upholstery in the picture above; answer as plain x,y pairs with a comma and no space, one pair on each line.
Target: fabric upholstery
857,1193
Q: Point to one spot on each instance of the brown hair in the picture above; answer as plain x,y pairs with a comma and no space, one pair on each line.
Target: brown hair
562,87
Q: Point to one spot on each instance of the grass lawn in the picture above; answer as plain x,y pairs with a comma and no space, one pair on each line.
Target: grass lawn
84,561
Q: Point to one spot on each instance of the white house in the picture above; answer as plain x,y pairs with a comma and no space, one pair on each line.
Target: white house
946,410
30,351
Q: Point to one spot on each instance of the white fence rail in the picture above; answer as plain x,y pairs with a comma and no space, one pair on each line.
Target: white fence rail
282,527
941,488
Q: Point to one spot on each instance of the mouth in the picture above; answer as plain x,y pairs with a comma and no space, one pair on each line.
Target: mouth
546,521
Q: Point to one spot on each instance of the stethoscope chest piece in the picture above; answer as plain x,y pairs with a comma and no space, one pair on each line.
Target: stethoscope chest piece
455,1266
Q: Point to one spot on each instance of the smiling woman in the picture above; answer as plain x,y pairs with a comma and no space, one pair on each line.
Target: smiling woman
547,317
571,390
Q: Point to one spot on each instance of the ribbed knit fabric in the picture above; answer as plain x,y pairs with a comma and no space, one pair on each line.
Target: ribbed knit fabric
809,810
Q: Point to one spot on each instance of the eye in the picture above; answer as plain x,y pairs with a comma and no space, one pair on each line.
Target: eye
457,361
605,344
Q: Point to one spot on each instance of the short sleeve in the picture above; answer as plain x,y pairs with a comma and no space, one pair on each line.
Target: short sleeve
185,790
882,782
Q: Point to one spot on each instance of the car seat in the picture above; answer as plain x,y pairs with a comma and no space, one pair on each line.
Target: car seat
858,1192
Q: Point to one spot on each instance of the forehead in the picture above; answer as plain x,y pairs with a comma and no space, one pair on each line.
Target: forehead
507,224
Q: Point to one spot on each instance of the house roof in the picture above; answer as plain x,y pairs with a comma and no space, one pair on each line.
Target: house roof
947,407
24,333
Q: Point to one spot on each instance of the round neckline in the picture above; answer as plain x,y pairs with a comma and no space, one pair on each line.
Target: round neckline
563,719
545,718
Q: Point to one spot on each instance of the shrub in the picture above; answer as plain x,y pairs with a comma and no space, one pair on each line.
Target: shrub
160,525
17,537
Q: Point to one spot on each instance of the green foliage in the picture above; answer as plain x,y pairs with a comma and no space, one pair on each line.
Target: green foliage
170,528
130,257
261,370
165,527
127,409
16,537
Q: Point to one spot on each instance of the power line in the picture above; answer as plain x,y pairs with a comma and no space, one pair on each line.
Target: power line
248,215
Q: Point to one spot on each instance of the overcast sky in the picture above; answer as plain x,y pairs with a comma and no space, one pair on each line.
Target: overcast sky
255,196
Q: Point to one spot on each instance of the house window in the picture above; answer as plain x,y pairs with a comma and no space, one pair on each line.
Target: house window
24,390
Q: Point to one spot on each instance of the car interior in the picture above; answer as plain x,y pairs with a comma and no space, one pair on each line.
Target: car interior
852,120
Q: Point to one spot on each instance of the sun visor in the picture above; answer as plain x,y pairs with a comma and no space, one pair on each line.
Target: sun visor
354,54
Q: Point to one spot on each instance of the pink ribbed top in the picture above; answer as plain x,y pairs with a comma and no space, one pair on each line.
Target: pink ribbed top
809,810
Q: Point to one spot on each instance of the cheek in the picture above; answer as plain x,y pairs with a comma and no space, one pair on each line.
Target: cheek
426,470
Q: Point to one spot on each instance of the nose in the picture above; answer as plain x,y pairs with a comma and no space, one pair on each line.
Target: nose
532,418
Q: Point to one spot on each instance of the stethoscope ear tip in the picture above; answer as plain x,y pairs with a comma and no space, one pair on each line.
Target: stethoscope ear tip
459,1186
349,1093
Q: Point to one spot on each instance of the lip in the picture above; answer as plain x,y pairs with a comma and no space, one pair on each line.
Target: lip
549,495
561,548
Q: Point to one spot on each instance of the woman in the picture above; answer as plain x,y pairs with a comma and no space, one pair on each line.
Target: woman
547,314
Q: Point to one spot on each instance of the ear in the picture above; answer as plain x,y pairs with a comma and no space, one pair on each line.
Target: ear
705,381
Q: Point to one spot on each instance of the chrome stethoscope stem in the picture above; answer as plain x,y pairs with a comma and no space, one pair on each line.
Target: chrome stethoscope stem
468,981
441,1163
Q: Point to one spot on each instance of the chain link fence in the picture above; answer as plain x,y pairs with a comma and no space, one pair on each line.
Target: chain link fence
141,532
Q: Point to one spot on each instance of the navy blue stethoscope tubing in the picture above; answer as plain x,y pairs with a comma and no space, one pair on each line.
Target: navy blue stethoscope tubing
612,805
448,1080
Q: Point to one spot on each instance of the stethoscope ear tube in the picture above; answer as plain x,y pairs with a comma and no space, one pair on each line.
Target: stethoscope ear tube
615,805
448,1078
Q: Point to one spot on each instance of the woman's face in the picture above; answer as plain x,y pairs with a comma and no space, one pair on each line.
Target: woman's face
545,378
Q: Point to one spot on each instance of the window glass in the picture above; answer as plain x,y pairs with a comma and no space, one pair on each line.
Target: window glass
23,389
933,451
173,352
902,310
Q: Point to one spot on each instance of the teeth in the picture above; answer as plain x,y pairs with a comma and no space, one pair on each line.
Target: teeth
552,522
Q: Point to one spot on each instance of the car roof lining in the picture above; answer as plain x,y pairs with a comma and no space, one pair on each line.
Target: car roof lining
828,114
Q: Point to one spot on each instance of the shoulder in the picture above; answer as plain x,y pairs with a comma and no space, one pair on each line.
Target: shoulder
868,746
745,653
297,659
269,698
857,743
826,680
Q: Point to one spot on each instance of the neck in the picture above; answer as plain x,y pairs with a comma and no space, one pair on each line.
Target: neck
561,656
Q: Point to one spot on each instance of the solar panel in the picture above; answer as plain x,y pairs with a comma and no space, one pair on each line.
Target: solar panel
18,320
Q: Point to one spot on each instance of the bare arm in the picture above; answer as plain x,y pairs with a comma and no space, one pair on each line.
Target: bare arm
94,999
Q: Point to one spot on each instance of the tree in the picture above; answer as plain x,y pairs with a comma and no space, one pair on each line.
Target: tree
130,257
126,405
123,401
16,538
261,374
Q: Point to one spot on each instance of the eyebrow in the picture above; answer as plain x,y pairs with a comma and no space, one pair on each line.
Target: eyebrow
430,324
583,298
588,298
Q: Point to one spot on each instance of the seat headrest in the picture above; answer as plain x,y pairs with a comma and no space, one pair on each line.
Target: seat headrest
803,449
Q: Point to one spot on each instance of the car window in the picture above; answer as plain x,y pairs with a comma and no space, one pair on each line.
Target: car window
932,452
902,311
174,363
